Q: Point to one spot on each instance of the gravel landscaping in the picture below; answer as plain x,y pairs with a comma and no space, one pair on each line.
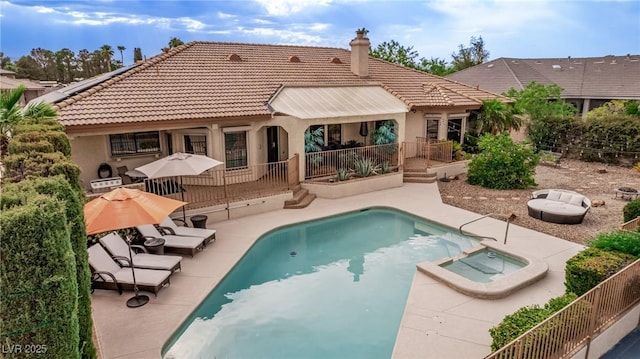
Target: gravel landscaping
597,181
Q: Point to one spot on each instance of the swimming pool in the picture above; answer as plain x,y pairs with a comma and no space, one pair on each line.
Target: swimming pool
334,287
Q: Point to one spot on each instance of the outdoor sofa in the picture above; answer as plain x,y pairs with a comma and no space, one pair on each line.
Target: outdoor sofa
558,206
119,249
107,274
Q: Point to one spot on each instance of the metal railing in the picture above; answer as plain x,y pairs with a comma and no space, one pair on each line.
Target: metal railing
507,218
327,163
631,226
424,151
575,326
223,186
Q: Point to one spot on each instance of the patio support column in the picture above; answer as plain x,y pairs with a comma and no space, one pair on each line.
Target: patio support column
585,108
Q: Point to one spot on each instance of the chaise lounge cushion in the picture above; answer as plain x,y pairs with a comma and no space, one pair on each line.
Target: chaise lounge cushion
558,206
118,247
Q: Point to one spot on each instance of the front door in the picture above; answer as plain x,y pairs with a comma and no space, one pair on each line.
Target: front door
272,141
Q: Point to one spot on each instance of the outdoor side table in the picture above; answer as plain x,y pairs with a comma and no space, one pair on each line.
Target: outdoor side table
199,221
154,245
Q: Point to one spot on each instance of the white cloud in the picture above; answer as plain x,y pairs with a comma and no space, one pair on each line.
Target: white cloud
190,24
222,15
290,7
285,36
43,10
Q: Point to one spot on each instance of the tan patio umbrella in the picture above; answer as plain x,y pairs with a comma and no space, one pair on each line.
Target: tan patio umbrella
126,208
179,164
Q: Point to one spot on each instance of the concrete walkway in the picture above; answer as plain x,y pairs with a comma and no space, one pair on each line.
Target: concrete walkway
438,322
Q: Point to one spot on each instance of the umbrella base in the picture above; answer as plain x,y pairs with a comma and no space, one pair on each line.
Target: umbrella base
137,301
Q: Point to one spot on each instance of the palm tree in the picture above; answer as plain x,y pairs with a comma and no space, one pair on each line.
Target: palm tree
106,51
12,113
121,48
496,117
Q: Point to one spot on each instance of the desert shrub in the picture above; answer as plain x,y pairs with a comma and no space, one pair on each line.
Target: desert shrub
525,318
38,277
631,210
30,146
621,241
470,144
502,164
591,266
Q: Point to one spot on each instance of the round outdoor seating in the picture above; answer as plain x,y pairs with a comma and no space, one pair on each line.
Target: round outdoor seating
558,206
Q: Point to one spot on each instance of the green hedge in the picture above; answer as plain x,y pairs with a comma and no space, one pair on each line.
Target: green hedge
58,187
631,210
58,141
621,241
591,266
22,165
525,318
37,277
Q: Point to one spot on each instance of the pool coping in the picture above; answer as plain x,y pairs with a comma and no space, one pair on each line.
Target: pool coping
533,271
437,322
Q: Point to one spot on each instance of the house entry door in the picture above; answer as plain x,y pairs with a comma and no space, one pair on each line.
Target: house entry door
273,149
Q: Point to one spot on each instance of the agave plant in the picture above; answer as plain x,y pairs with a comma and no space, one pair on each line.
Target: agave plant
366,167
385,167
343,174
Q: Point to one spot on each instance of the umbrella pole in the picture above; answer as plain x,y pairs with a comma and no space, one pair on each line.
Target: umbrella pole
137,300
184,216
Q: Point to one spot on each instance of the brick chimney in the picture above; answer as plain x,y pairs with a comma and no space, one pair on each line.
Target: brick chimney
360,54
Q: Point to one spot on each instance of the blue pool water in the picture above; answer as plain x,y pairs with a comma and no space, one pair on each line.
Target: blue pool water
329,288
484,266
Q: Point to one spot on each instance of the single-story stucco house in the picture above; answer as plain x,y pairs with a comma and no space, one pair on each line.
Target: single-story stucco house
8,82
247,104
587,82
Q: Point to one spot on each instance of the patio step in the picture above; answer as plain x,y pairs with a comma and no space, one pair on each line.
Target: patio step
301,198
418,177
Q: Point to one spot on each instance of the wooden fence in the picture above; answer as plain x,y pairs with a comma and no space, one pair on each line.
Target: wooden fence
327,163
575,326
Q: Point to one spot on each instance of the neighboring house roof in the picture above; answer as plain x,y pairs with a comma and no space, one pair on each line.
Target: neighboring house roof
8,83
608,77
207,80
335,101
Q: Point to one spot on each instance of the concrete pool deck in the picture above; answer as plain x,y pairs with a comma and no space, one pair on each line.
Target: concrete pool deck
438,321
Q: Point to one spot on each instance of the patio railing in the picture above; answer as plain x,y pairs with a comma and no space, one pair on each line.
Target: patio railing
576,325
327,163
631,225
424,152
222,186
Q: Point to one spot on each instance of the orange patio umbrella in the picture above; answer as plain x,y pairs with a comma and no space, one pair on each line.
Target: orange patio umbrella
125,208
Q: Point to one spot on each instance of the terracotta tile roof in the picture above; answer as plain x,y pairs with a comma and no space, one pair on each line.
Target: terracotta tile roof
202,80
609,77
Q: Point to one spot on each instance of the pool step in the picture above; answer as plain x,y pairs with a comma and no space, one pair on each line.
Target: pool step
418,176
301,198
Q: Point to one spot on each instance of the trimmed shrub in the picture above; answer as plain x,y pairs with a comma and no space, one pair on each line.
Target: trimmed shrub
22,165
37,125
631,210
621,241
502,164
525,318
38,277
58,141
57,187
591,266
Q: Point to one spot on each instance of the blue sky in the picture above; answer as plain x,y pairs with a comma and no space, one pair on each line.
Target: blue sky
525,29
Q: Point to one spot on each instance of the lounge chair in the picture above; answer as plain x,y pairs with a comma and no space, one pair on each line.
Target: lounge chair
118,248
173,243
107,274
168,225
